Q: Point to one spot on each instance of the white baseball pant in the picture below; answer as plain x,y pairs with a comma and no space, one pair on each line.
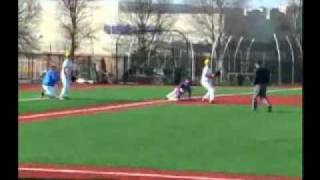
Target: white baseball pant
66,83
210,91
172,94
50,91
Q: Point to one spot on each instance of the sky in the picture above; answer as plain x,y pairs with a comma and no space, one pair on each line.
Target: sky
267,3
259,3
251,4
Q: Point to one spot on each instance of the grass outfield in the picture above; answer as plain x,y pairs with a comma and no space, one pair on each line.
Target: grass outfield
207,138
100,95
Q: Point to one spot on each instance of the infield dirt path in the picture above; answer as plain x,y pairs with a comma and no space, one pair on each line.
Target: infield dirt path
220,100
293,100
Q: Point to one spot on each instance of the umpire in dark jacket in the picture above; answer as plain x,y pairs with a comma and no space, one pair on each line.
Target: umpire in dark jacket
261,82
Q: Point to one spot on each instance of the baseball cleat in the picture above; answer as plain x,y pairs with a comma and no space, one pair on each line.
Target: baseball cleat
64,98
255,106
269,108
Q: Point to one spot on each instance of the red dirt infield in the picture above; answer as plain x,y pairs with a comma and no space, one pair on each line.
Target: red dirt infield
246,100
122,173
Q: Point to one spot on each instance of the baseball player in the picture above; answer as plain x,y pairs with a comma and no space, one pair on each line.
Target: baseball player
261,82
66,76
182,88
49,82
207,81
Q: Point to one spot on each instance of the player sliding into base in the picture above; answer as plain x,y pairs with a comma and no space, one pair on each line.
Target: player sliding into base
50,79
207,81
182,88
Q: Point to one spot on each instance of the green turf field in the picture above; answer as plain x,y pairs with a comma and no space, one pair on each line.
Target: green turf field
217,138
208,138
100,95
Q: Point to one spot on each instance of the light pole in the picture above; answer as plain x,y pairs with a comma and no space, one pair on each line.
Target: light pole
236,52
279,59
292,59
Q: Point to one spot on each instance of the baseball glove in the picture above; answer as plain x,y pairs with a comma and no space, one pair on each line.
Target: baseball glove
218,73
73,78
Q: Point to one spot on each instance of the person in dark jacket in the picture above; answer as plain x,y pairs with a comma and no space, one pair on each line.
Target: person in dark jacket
240,79
261,82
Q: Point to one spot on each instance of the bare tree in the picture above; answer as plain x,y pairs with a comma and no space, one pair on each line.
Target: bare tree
295,15
148,17
210,22
28,18
76,22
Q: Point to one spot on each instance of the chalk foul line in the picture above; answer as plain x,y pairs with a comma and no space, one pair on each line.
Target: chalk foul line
33,99
88,110
114,173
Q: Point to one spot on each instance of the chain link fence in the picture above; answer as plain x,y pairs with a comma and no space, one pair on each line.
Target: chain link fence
172,62
99,69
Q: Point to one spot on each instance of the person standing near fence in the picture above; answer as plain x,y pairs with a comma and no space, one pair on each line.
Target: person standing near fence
66,75
50,79
261,82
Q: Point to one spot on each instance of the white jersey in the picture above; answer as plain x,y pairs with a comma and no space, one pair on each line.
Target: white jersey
206,71
67,64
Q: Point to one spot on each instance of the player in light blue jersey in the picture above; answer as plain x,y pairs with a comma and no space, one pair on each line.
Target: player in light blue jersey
49,81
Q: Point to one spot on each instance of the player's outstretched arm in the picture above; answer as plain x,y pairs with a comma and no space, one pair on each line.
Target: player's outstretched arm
211,76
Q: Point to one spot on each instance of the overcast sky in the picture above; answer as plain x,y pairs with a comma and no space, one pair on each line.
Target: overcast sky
267,3
260,3
252,3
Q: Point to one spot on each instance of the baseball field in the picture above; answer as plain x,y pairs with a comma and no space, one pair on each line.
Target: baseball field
132,132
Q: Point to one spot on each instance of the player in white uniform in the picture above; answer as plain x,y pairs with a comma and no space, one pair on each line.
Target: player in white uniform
207,79
65,75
